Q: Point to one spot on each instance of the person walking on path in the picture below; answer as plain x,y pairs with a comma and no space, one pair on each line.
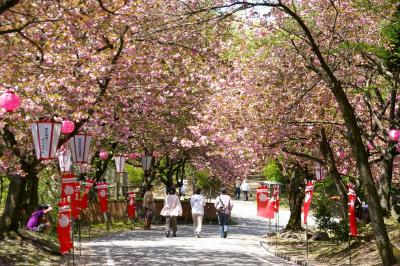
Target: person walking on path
238,183
171,210
148,205
223,204
197,203
245,188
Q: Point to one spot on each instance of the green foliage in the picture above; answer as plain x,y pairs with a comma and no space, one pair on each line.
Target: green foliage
272,172
3,193
135,174
204,181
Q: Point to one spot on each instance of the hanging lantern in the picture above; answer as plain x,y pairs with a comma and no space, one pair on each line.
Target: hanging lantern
103,155
394,135
146,162
83,168
67,127
156,154
120,163
65,162
133,155
79,146
341,154
9,101
45,138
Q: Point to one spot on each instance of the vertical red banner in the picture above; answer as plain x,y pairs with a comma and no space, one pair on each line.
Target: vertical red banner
70,187
64,226
85,197
270,209
131,205
352,197
76,201
102,192
262,200
307,200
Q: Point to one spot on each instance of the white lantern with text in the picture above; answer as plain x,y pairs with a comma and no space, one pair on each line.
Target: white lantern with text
146,162
64,159
79,146
45,138
120,163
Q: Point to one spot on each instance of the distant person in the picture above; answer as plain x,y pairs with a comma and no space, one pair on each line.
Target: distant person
171,210
197,203
182,191
37,222
223,204
238,183
148,206
245,188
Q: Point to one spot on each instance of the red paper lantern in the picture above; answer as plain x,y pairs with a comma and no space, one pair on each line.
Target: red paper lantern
103,155
341,154
67,127
79,146
9,101
394,135
45,138
133,155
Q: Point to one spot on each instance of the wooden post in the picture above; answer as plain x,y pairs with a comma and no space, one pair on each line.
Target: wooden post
350,249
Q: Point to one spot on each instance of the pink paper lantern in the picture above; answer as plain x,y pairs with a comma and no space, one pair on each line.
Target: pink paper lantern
133,155
394,135
341,154
67,127
103,155
10,101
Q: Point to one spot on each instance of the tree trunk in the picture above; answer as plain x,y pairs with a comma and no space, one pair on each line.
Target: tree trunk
385,183
295,190
32,197
378,224
13,210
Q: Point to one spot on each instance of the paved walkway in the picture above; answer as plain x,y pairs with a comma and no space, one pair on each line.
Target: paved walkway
242,247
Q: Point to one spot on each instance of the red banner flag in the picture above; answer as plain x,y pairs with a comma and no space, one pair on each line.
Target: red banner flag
88,185
262,200
276,195
131,205
270,210
103,196
352,197
308,198
70,187
64,226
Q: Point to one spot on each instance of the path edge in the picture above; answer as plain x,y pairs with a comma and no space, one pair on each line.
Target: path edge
265,246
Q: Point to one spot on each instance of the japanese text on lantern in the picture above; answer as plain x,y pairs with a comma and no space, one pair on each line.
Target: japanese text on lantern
44,141
80,149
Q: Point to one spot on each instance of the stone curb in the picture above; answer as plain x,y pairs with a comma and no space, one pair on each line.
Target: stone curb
283,256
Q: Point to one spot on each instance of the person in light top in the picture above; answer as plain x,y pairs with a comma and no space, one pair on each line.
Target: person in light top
197,203
171,210
223,204
245,188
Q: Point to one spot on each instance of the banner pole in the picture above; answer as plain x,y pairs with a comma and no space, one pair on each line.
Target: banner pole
276,231
307,241
350,249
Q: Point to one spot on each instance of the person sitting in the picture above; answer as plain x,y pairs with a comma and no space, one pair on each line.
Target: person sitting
36,222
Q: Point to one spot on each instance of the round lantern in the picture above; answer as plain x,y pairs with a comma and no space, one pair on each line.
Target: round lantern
45,138
103,155
79,146
394,135
67,127
132,156
341,154
156,154
10,101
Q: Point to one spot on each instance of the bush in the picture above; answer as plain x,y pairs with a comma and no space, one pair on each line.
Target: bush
272,172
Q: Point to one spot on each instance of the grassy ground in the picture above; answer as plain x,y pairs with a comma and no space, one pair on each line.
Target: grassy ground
363,249
28,248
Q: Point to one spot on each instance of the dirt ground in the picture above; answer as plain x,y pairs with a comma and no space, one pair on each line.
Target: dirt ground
363,248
